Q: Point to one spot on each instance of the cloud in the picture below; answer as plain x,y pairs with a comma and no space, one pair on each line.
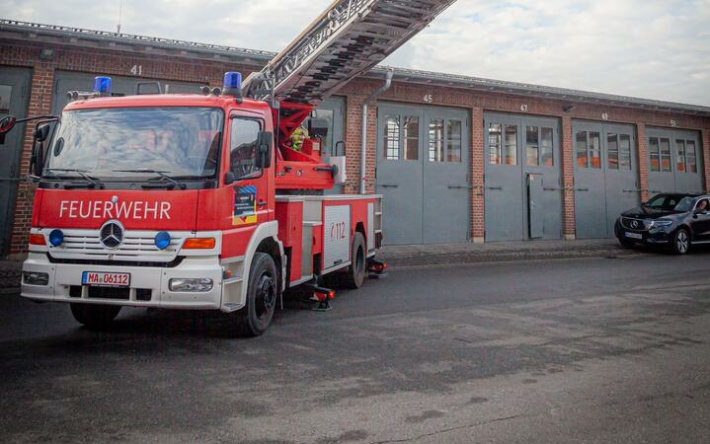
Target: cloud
654,50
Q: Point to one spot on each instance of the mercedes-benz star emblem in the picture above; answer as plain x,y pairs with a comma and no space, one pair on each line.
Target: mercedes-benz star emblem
111,234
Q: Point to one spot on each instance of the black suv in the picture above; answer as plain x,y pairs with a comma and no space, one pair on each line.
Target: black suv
676,220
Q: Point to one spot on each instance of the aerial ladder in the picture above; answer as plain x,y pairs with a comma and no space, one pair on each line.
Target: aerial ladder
346,40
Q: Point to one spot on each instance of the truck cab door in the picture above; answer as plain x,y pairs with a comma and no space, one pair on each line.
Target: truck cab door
247,170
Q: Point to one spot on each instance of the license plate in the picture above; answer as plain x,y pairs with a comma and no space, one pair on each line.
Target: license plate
102,279
633,235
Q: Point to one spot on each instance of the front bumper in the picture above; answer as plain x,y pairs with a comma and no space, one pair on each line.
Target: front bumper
149,286
655,236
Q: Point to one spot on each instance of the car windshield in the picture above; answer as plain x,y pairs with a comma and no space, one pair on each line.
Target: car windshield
664,202
111,143
685,205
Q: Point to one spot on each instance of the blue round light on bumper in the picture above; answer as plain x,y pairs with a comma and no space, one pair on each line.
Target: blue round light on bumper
162,240
56,237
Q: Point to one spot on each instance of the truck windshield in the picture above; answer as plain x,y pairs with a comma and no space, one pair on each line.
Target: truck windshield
111,143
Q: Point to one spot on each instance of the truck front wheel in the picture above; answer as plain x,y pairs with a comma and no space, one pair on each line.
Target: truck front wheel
95,316
355,276
262,294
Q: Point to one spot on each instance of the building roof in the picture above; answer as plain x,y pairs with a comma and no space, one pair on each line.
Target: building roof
18,30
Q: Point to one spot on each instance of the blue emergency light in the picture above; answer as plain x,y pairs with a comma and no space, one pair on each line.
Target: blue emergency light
232,80
56,237
102,85
162,240
233,85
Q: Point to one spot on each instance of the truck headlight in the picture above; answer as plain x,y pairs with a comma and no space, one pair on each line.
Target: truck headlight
35,278
190,284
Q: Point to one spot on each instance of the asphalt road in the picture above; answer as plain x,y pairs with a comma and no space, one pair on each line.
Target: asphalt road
562,351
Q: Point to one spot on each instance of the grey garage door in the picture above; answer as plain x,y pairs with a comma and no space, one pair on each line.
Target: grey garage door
14,96
523,196
422,173
605,176
674,161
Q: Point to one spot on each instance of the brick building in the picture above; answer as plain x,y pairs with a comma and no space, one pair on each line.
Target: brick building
457,158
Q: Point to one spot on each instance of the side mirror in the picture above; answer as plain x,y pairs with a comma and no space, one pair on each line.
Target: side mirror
265,145
37,159
6,124
229,178
42,132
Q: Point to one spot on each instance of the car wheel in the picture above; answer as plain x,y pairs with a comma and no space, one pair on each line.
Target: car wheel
680,243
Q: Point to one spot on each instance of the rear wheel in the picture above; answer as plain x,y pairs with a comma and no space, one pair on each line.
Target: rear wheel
95,316
262,294
355,276
680,242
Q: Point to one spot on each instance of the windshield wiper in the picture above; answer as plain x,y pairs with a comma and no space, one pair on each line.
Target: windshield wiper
91,182
169,184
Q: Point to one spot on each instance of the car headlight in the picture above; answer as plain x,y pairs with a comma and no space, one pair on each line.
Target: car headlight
659,223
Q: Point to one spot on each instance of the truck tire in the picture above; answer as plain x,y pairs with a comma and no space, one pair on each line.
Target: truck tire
355,275
262,295
95,316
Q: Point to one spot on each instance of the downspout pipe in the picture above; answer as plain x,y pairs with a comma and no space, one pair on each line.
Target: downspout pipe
363,150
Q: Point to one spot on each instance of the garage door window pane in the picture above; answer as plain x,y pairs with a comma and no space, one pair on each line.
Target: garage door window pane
532,146
665,154
392,138
654,154
546,152
595,160
411,138
495,144
612,149
454,137
436,140
511,145
625,152
680,155
691,156
581,148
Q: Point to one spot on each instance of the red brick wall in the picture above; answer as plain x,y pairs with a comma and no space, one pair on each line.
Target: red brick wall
155,65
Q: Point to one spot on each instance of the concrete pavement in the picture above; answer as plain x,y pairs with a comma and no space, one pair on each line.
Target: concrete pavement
399,256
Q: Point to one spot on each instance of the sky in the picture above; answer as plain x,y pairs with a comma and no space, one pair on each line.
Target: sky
651,49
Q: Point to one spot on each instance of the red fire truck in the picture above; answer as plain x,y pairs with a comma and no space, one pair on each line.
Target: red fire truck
202,201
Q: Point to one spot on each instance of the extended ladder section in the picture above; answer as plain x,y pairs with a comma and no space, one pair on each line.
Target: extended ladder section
348,38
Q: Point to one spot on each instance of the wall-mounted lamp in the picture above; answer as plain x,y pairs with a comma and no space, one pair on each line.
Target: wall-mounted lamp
568,108
46,54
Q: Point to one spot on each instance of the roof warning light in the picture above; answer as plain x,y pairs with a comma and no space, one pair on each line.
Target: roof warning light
102,85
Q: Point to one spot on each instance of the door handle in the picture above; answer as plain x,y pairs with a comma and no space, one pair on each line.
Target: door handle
495,188
460,187
388,185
